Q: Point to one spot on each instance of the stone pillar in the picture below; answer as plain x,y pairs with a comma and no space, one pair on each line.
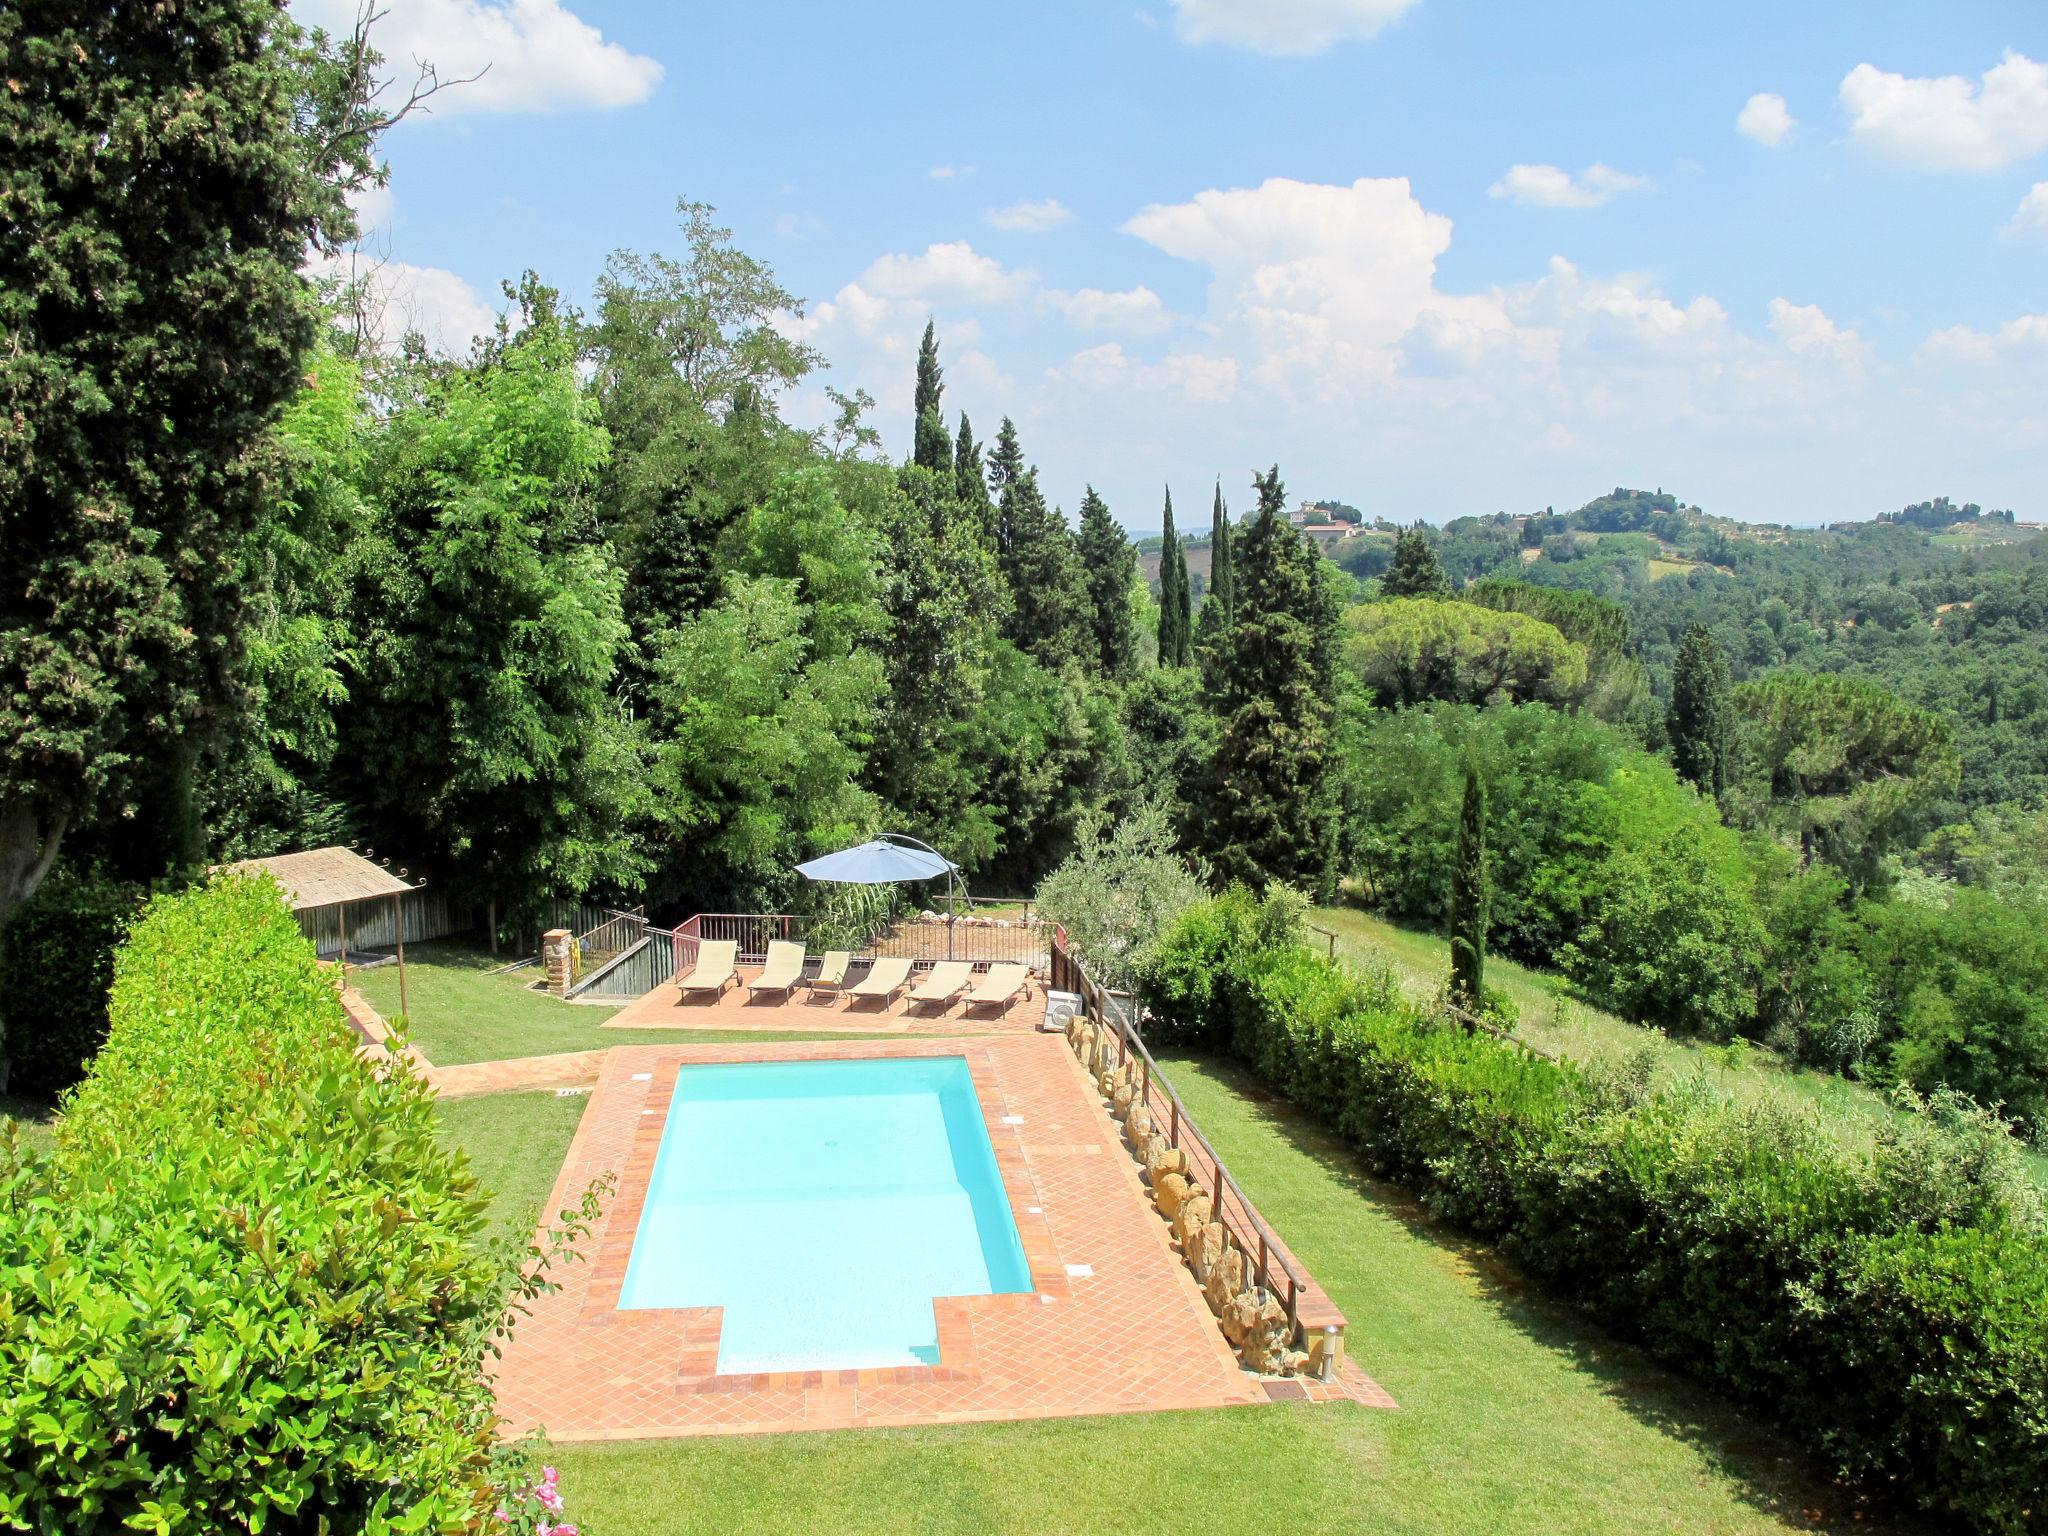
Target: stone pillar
554,959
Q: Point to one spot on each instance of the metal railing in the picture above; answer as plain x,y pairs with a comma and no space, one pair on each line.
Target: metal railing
1267,1265
617,933
632,974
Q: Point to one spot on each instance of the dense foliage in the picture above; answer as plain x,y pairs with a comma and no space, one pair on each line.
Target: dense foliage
1875,1305
56,970
242,1292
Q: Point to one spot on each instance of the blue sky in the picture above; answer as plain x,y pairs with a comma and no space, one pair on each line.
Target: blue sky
1432,256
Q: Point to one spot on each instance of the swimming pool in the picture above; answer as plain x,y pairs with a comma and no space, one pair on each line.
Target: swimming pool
823,1204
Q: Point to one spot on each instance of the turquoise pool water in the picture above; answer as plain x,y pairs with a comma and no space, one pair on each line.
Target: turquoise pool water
824,1204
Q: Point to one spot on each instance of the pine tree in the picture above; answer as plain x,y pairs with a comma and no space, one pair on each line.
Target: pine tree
1108,566
1266,803
1050,615
932,448
1415,571
1469,898
1173,575
1701,712
1005,470
970,485
1212,625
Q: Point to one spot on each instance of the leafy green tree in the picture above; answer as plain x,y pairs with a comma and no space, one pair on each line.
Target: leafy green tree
1109,564
1699,724
931,448
480,724
1415,571
159,199
1411,650
687,367
1267,811
1173,599
759,743
805,534
1212,624
1468,898
1841,767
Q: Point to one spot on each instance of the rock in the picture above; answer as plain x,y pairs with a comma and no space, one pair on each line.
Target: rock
1294,1363
1239,1317
1265,1342
1193,1215
1138,1124
1147,1147
1205,1249
1224,1282
1169,1160
1121,1098
1169,1192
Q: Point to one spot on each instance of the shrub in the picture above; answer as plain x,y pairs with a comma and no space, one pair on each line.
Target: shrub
243,1292
1892,1313
56,965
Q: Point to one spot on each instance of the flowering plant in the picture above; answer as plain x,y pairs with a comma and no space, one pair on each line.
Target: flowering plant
530,1504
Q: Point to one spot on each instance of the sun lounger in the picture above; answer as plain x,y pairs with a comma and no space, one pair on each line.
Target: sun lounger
949,978
783,970
1002,986
716,969
885,978
831,977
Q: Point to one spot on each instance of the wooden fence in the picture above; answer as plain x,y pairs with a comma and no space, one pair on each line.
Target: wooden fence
429,914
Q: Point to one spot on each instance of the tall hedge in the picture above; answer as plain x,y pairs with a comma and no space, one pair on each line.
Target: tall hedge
243,1293
1888,1309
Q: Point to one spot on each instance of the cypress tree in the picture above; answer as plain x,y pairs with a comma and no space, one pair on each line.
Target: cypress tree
1701,712
1469,898
932,448
1173,575
1005,471
1049,613
1184,596
1108,566
1415,571
1212,626
1267,810
970,484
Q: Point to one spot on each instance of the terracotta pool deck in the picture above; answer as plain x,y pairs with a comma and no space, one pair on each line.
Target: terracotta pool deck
1115,1322
666,1008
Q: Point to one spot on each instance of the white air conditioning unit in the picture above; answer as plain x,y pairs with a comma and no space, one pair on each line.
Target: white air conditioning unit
1060,1008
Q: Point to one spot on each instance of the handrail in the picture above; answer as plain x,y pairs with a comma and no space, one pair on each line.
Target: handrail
1249,1231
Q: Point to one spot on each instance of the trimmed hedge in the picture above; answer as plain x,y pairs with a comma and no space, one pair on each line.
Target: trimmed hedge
1890,1310
243,1293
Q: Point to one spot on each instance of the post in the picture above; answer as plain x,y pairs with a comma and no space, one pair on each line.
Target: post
554,959
342,912
398,927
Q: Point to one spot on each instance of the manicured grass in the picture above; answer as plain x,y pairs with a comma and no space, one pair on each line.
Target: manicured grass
1515,1416
32,1119
516,1142
461,1013
1555,1018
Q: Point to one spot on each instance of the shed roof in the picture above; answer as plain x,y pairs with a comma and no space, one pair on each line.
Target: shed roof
326,877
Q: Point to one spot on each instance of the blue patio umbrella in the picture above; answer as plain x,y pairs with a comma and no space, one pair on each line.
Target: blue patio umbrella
890,859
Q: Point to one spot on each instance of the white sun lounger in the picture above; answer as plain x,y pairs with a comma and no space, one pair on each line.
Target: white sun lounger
782,971
885,978
831,977
946,982
716,969
1002,986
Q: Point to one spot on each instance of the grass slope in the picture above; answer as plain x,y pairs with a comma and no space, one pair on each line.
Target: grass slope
516,1142
1515,1417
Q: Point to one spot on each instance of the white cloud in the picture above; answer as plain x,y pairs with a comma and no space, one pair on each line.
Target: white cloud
1766,119
372,206
2030,219
1286,27
1807,332
950,172
2026,336
1133,309
401,298
534,55
1548,186
1030,218
1947,122
1195,377
953,270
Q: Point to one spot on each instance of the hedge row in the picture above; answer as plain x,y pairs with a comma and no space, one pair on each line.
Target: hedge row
243,1293
1890,1309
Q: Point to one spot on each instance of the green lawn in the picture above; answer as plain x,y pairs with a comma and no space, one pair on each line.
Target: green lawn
517,1142
1554,1018
1515,1416
461,1013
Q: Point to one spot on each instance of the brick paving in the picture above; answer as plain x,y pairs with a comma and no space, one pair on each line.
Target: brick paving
1132,1334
